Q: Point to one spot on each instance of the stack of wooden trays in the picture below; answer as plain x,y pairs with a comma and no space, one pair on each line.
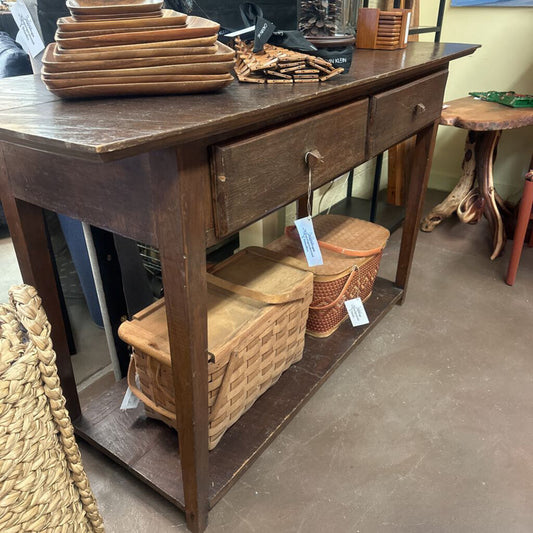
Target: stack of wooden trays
133,47
382,30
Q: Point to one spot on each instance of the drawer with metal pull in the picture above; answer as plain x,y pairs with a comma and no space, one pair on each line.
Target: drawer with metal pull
260,173
401,112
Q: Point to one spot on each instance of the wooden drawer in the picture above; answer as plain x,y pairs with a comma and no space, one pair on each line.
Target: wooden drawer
401,112
256,175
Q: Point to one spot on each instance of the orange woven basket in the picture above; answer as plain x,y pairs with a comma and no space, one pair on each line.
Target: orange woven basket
351,250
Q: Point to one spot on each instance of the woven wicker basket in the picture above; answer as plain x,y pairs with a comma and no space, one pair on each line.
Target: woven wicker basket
257,311
351,250
43,487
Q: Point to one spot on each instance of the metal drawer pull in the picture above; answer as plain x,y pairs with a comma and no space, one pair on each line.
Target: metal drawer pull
419,108
315,154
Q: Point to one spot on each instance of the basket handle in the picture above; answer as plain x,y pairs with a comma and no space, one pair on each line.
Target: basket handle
292,232
140,394
284,297
340,296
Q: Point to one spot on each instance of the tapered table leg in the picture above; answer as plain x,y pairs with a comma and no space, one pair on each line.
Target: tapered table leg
179,180
422,157
522,221
28,233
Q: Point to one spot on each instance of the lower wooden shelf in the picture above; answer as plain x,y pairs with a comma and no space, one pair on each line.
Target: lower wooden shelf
149,449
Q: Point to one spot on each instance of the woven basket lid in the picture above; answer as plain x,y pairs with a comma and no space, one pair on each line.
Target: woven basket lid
349,233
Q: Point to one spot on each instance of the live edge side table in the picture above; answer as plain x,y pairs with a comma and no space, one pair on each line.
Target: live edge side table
485,122
180,173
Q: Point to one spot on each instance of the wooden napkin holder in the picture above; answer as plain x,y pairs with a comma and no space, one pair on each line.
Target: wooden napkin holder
382,30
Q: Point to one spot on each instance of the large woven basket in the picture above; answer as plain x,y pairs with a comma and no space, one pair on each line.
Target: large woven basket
351,250
257,311
43,487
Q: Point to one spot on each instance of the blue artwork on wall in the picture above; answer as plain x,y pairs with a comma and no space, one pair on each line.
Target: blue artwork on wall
492,3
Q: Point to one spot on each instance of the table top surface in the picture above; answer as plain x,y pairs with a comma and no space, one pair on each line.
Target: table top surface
479,115
111,128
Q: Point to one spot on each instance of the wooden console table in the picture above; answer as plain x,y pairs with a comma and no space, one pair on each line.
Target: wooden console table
181,173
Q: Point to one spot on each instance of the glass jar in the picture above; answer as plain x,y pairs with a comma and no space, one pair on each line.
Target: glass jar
325,20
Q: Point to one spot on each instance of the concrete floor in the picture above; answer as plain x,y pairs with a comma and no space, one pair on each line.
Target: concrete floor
427,427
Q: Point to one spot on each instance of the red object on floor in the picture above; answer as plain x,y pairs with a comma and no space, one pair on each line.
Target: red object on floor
525,214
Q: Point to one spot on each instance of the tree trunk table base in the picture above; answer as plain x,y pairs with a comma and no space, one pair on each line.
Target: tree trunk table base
475,195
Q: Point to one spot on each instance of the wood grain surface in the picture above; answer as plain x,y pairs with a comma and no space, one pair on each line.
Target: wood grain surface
478,115
146,123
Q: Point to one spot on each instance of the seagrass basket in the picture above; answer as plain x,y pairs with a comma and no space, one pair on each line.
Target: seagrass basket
43,487
351,250
257,311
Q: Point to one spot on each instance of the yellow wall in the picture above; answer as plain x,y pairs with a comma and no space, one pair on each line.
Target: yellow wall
504,62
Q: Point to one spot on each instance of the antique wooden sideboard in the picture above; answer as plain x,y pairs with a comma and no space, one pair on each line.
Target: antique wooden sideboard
181,173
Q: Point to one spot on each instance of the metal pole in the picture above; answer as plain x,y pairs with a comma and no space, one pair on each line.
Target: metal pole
95,268
375,188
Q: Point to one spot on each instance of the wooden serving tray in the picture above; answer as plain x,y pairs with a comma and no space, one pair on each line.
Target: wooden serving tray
181,43
53,83
95,7
221,67
146,53
142,89
168,18
196,27
130,16
54,62
61,35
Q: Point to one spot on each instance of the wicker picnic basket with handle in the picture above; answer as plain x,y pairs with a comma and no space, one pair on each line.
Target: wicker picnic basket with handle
351,250
43,486
257,311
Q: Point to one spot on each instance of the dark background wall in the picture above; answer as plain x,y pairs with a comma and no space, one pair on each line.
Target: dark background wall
281,12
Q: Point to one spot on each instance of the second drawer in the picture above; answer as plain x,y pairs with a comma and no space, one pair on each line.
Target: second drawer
256,175
401,112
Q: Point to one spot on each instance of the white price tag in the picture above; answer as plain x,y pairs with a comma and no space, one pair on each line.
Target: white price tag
309,241
130,401
28,36
356,311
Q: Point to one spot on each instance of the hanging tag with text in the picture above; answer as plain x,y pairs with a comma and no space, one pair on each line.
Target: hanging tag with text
356,311
309,241
28,36
130,401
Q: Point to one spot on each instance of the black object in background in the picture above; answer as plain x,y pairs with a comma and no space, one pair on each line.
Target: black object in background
8,24
13,60
48,12
338,57
227,13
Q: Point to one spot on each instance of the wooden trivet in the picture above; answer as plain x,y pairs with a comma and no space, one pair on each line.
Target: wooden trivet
280,65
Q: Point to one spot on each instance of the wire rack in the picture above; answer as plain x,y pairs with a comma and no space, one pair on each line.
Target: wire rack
150,259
